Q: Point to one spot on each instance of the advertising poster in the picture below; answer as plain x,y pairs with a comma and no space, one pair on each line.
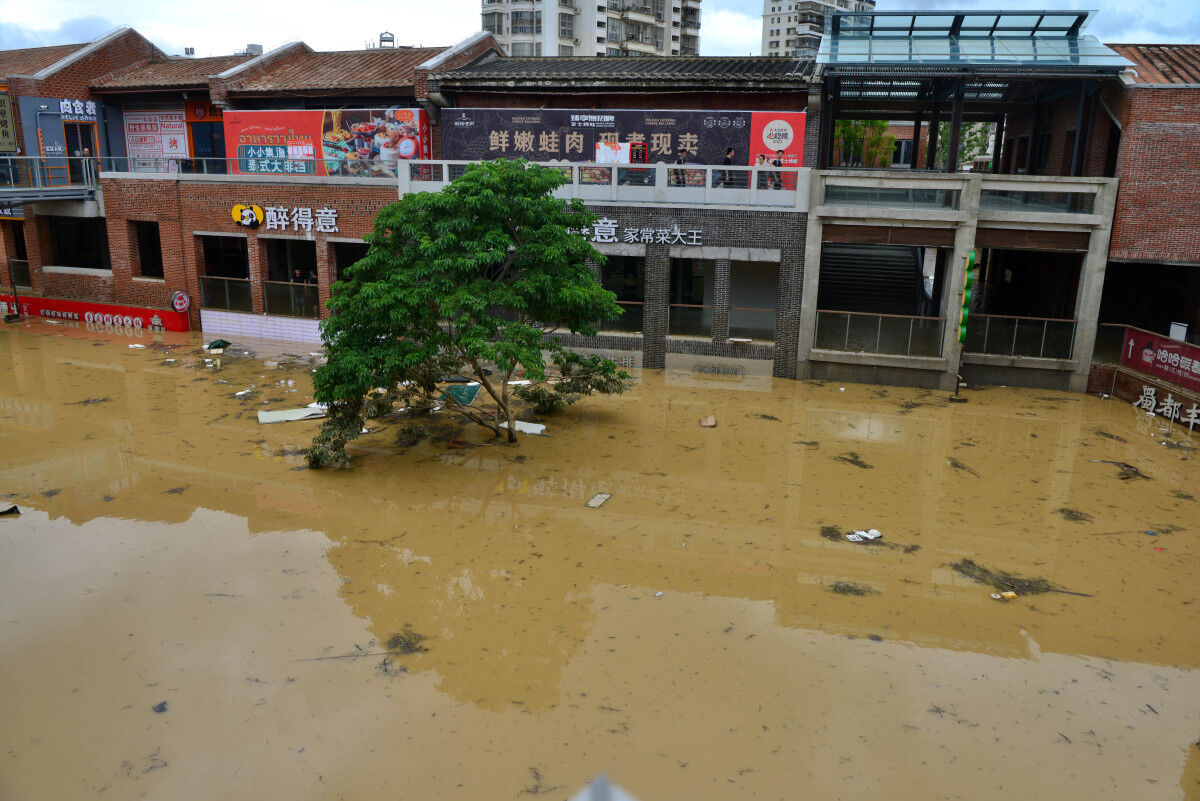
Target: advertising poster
352,142
8,133
572,134
151,136
1169,359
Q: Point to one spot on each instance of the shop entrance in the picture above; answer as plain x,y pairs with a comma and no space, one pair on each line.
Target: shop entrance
208,147
80,139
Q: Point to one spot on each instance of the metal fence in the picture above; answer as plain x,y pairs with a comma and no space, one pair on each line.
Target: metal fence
886,334
1033,337
23,172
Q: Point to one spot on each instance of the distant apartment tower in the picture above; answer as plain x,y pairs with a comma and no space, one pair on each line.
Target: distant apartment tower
594,27
794,27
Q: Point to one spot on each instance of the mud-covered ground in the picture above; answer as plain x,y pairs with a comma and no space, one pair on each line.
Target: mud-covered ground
186,611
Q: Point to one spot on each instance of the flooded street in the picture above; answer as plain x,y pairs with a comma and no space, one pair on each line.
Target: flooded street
454,623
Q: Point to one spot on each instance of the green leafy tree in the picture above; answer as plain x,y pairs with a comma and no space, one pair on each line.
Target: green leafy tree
471,281
975,140
864,143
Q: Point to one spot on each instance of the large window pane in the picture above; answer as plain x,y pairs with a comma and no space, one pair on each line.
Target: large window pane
690,298
753,299
79,242
625,277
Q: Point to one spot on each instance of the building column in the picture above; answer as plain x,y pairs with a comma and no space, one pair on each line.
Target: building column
998,145
37,247
932,146
956,269
256,253
720,302
956,122
916,142
1091,287
325,274
806,325
655,311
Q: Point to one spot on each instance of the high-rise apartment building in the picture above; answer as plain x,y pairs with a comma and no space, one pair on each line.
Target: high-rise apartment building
594,27
794,27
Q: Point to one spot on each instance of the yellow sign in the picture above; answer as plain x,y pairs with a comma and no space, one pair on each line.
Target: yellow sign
249,216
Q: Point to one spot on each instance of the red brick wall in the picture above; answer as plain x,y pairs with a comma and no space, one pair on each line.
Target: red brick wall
1157,216
183,207
74,80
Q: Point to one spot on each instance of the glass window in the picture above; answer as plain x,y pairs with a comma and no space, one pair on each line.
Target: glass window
79,242
690,298
753,299
346,254
226,256
149,249
625,277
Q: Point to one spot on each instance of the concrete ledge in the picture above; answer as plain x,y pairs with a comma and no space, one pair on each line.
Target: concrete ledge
323,180
887,215
1041,218
939,364
92,271
1022,362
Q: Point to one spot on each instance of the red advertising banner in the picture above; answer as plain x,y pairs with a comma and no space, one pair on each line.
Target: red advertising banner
98,314
1169,359
354,142
772,131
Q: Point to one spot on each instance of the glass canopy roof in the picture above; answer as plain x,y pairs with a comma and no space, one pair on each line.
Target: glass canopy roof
1025,41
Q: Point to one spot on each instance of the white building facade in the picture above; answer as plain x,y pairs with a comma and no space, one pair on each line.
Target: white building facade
794,27
594,27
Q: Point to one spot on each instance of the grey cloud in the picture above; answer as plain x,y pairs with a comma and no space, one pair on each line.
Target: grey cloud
80,29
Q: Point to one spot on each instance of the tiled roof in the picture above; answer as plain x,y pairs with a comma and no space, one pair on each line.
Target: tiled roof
1163,63
631,71
176,72
351,69
29,60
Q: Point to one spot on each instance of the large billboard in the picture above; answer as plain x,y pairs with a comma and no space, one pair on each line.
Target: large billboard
8,131
355,142
473,134
1162,357
154,135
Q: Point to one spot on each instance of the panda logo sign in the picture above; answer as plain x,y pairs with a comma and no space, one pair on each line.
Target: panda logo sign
247,216
777,135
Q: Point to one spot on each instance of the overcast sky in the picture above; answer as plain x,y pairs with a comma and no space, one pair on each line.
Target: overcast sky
729,27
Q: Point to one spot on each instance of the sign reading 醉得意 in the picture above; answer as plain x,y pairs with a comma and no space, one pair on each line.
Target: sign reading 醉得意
283,218
1169,359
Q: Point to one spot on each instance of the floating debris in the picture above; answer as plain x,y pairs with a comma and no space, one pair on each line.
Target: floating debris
91,401
848,588
1074,515
1007,582
831,533
598,500
159,708
850,457
1126,472
407,641
1100,432
708,422
957,465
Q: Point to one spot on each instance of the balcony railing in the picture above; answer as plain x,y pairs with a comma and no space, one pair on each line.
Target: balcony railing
892,197
1037,202
780,187
231,294
290,299
630,321
24,172
1031,337
884,334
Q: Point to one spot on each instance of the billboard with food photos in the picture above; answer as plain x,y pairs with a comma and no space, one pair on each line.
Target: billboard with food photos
350,142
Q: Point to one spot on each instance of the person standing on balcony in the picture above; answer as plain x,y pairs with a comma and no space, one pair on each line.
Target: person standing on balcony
760,161
776,179
722,177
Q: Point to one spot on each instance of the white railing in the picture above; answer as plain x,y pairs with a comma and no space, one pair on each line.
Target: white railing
772,187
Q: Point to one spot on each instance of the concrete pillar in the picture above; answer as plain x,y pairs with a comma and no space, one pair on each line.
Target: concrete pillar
788,298
1091,287
806,330
256,252
956,268
654,321
720,302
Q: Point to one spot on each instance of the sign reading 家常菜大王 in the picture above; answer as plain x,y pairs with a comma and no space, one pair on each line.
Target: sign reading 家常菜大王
1169,359
283,218
572,134
606,231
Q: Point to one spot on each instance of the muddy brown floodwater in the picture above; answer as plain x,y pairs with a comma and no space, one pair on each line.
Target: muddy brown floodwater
186,611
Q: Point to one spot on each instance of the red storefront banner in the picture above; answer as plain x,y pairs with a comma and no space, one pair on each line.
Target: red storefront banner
98,314
1169,359
778,130
355,142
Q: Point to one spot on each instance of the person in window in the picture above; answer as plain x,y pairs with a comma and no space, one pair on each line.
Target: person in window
298,293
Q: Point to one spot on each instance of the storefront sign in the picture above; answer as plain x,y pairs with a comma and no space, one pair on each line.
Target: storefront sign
572,135
201,111
607,231
1169,359
355,142
8,131
301,218
1168,407
247,216
98,314
12,213
154,135
181,301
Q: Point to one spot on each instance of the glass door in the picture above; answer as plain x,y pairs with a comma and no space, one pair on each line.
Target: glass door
80,138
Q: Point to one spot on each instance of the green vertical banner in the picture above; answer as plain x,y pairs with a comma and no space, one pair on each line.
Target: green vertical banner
968,282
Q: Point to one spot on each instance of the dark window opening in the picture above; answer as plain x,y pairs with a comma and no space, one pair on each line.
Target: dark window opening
208,147
625,277
691,290
149,249
226,257
79,242
902,152
80,141
1112,152
291,285
345,254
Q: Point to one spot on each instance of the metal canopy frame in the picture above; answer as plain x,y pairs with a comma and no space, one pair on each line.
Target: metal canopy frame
956,23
